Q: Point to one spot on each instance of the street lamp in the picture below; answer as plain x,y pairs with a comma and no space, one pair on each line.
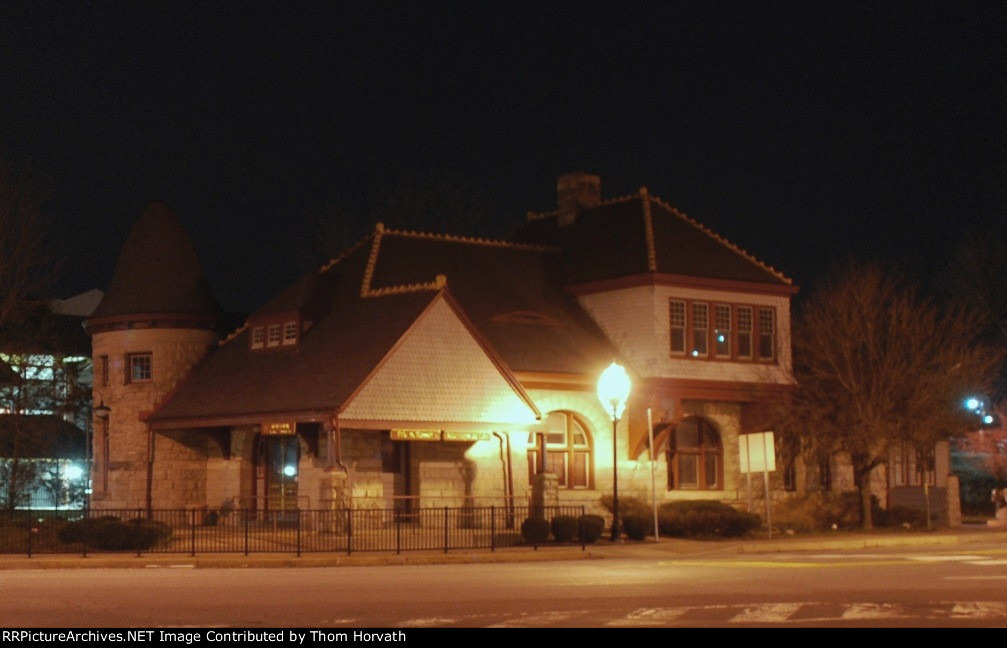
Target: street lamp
100,413
613,390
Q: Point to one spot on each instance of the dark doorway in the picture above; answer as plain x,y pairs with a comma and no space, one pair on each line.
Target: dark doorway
276,468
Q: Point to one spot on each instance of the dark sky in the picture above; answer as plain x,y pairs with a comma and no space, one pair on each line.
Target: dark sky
802,131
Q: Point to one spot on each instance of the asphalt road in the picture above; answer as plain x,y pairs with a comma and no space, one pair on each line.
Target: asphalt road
897,587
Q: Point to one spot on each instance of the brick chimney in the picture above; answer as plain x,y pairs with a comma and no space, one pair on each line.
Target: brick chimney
575,191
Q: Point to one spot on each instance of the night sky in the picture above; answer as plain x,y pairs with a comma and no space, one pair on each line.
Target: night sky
805,132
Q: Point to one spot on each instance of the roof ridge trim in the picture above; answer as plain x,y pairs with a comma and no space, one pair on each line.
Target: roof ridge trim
723,241
455,238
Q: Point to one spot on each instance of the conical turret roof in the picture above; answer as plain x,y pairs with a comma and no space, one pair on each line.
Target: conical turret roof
158,273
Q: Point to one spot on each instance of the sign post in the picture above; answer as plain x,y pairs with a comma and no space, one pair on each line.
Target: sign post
757,452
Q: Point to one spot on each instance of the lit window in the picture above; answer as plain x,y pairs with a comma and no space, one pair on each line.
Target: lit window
274,335
695,456
767,334
744,331
722,330
567,451
140,367
700,328
258,337
677,315
290,333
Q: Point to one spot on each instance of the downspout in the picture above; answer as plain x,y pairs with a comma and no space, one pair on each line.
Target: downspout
150,473
508,476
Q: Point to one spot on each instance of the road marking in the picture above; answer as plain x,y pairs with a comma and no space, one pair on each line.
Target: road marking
944,558
979,610
862,611
543,618
768,613
989,561
425,623
650,616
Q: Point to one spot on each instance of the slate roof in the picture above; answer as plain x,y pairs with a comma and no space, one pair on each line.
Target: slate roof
648,236
362,305
157,271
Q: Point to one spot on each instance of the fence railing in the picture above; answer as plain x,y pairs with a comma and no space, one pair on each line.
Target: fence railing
189,531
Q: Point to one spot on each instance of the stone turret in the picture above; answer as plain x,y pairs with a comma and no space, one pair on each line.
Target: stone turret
156,321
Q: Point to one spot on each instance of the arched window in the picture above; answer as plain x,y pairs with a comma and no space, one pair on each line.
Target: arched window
695,456
567,451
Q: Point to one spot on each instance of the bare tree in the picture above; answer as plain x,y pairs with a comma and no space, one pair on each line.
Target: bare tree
26,261
878,365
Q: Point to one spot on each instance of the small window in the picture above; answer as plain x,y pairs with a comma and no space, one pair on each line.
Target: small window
745,332
722,330
700,329
258,337
767,334
102,371
290,333
141,367
273,338
677,318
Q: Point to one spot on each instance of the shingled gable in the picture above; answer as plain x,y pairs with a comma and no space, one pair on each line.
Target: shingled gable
652,237
511,292
339,356
157,274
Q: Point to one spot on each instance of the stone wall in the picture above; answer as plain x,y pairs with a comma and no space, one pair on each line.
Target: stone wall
181,480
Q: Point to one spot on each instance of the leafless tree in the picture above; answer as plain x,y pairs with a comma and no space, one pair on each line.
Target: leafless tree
879,365
27,263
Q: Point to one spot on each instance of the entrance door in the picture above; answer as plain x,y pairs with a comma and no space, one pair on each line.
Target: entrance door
276,460
395,475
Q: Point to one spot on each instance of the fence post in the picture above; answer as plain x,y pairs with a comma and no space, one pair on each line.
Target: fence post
245,513
349,531
583,542
29,525
398,532
192,532
298,532
493,528
445,529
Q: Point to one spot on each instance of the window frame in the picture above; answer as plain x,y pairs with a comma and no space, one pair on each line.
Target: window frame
702,454
746,326
131,363
567,453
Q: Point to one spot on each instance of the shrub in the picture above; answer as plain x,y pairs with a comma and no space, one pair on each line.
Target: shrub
628,506
590,527
110,533
535,530
818,511
564,528
637,527
705,518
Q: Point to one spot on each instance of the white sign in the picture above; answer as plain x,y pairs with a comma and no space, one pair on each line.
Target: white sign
757,452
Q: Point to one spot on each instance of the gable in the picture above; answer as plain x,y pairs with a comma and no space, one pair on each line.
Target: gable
440,373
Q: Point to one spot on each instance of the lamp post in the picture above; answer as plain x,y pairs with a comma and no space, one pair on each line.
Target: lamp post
100,413
613,390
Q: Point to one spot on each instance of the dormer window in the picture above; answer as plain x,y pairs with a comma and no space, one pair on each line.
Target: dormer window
273,335
290,333
258,337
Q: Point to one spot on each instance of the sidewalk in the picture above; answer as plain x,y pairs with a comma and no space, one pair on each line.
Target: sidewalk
603,549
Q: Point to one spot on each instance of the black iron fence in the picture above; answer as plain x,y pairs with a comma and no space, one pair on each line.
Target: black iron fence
188,531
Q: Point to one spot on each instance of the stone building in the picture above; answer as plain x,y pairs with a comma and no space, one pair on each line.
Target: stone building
424,369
